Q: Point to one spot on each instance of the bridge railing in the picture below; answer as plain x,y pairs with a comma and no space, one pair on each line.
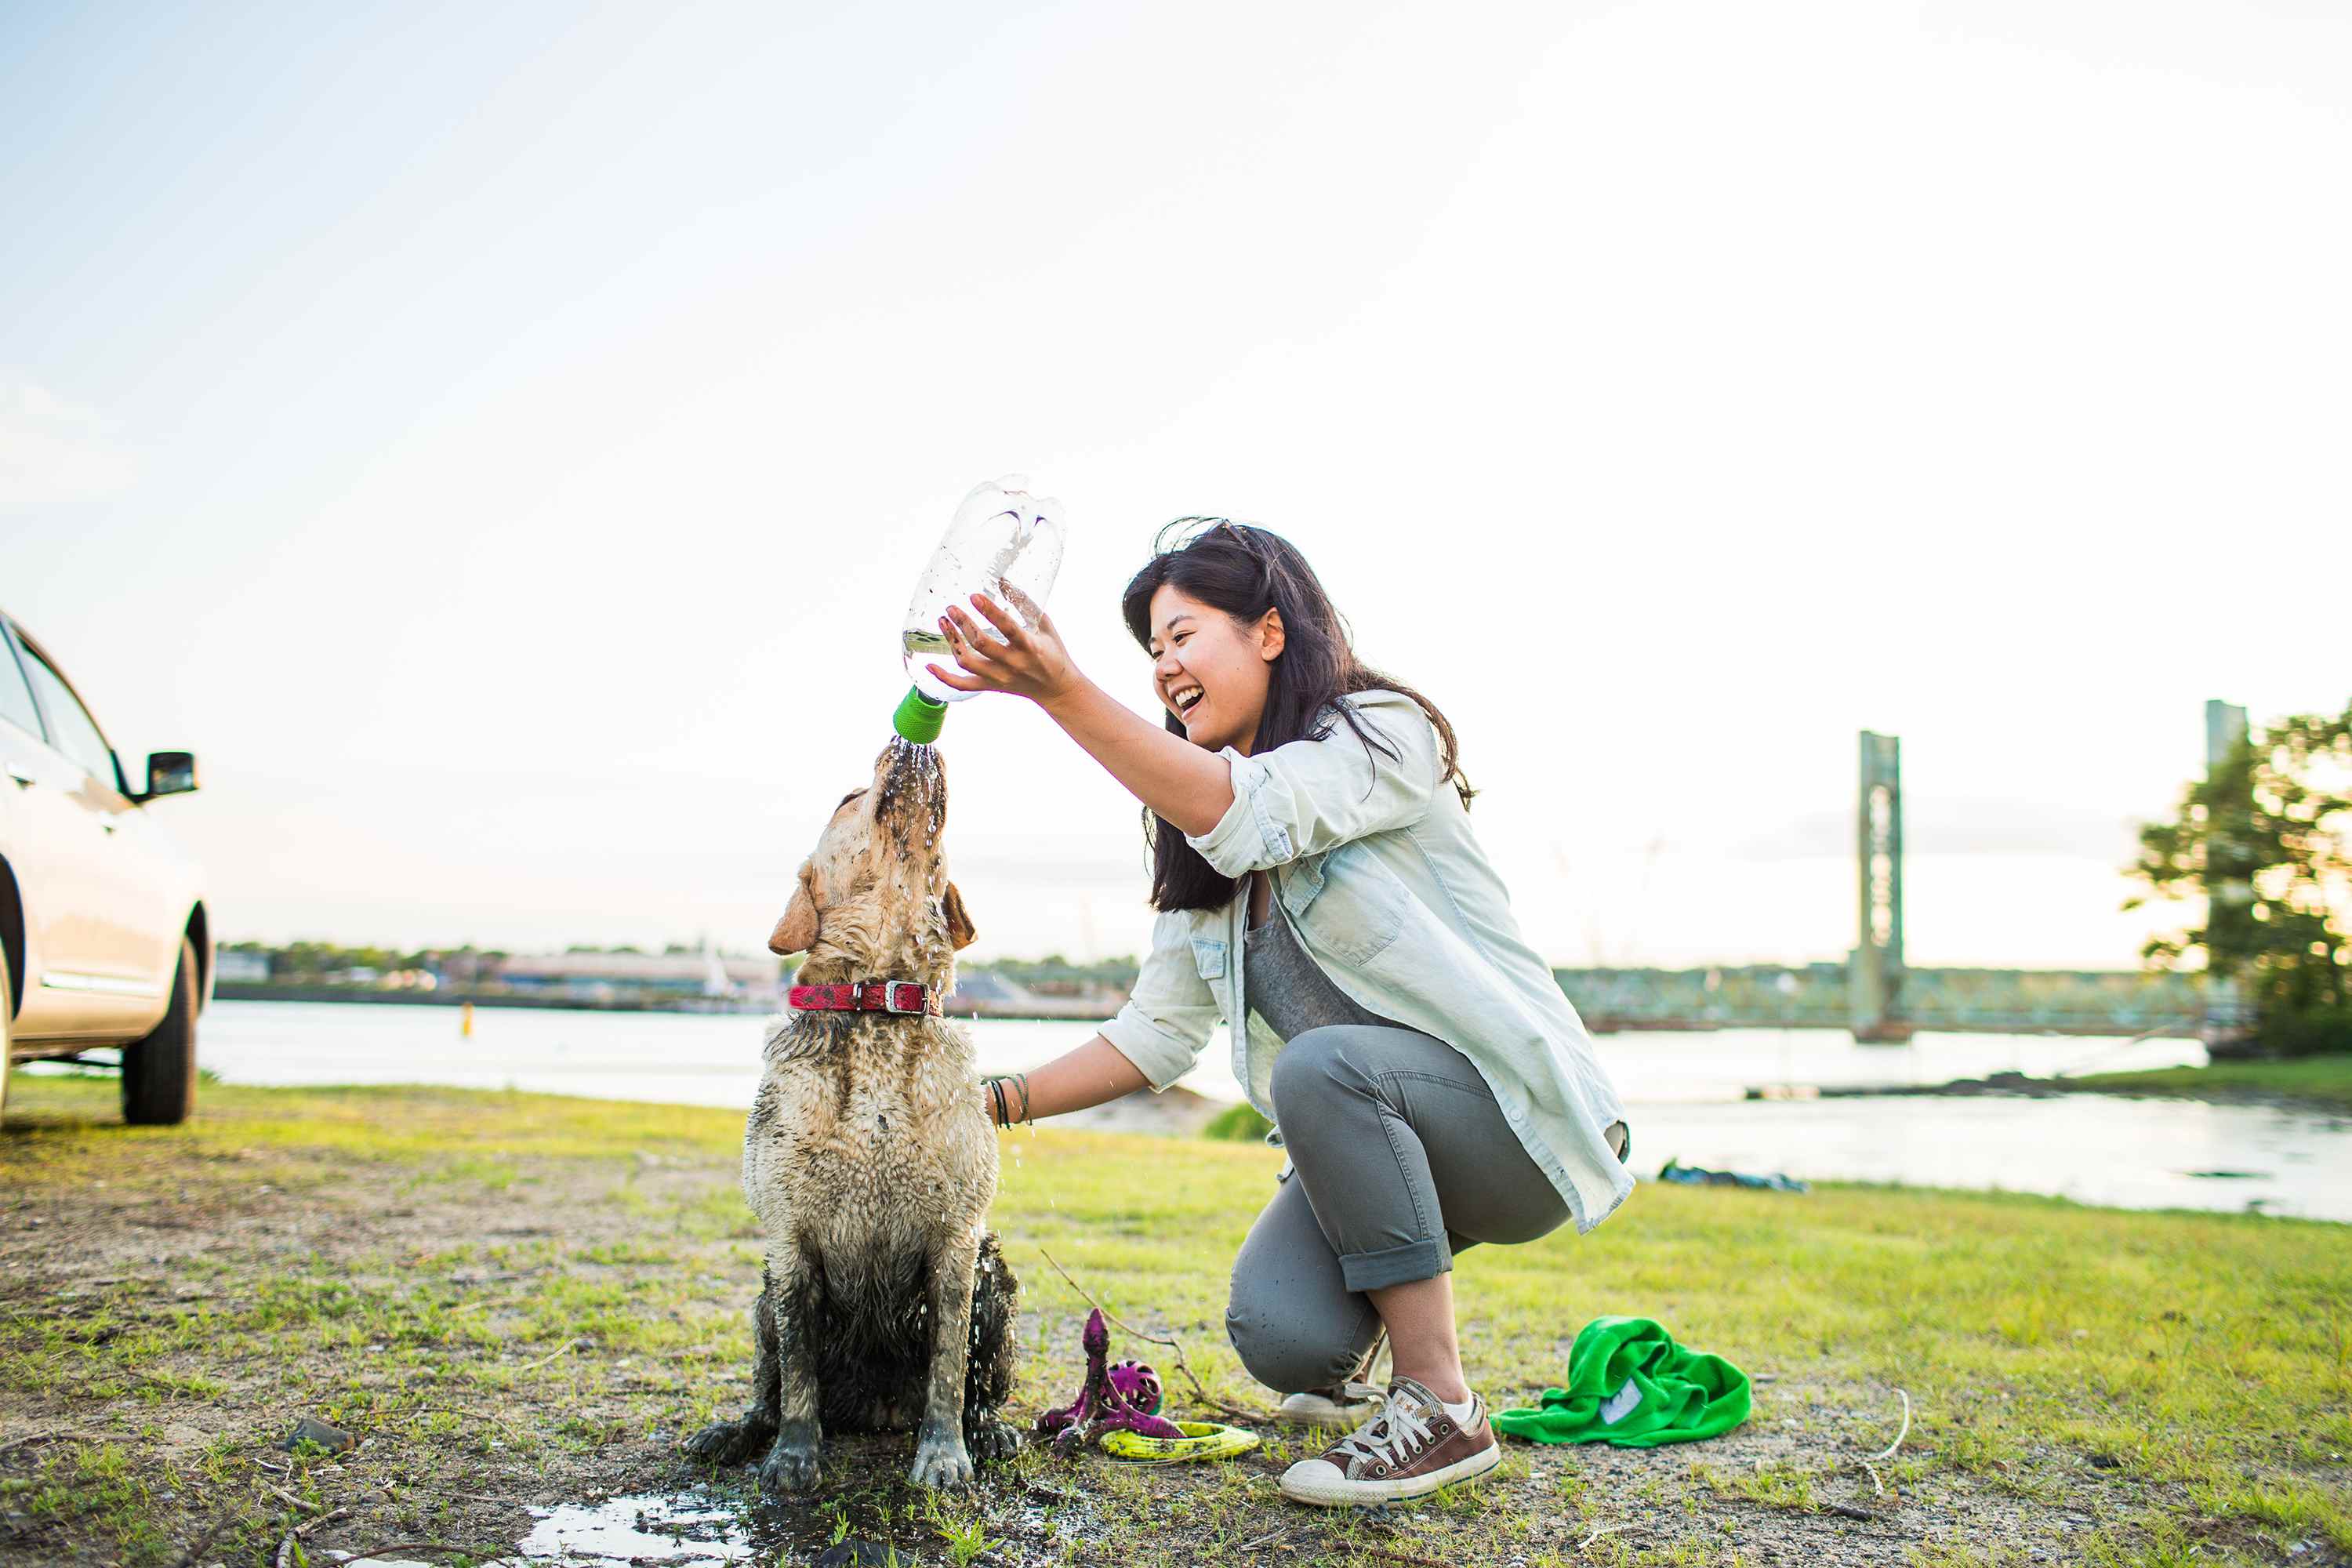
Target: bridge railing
1813,996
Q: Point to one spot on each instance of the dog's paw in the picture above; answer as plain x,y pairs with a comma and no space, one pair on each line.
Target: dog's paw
729,1442
790,1467
994,1441
941,1462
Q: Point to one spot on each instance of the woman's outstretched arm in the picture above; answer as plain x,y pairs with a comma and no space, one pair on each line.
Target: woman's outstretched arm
1191,787
1153,1041
1093,1074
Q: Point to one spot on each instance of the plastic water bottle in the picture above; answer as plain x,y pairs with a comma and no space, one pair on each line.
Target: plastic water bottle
1005,543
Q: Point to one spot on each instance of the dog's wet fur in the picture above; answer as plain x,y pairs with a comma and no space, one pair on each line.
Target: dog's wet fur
885,1303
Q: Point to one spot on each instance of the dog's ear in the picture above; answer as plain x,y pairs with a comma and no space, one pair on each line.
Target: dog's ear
959,929
796,933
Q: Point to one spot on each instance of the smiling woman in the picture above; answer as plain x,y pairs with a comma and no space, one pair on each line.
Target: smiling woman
1320,892
1248,652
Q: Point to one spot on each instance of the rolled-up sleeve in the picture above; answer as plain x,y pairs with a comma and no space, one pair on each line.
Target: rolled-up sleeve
1172,1012
1309,795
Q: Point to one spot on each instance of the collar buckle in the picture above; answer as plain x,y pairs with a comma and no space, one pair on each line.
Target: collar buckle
901,997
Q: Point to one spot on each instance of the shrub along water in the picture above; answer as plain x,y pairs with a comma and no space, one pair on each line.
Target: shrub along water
2265,842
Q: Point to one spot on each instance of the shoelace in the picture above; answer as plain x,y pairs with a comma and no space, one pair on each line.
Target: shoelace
1406,1430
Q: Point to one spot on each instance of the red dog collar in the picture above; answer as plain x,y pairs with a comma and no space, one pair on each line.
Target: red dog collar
895,996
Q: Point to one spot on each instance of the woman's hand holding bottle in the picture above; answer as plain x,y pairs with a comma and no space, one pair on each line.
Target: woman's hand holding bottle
1023,653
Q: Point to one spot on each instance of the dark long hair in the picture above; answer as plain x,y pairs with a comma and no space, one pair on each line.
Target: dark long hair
1245,572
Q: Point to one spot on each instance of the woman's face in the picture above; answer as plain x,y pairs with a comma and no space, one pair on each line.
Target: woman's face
1210,671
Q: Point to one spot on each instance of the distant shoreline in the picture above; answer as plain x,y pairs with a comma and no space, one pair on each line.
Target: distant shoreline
2324,1082
1078,1011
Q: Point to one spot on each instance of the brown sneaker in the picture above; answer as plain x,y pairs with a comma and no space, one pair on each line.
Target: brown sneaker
1411,1446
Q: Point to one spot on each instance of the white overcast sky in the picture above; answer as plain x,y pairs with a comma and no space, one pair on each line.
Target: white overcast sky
500,442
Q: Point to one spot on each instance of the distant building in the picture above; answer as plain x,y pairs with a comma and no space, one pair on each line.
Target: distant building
241,968
978,991
643,976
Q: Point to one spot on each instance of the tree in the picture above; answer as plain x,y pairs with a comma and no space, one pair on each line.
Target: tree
2265,839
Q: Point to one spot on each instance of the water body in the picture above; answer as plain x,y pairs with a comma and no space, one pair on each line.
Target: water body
1685,1095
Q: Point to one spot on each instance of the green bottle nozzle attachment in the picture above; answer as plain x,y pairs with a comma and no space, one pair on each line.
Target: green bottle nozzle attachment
919,719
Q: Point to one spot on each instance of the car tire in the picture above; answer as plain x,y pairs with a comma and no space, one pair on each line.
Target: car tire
158,1073
8,1015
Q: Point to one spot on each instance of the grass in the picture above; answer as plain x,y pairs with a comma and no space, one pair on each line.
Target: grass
528,1299
2322,1080
1239,1124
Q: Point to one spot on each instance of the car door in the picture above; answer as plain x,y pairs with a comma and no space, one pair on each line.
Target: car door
104,951
51,844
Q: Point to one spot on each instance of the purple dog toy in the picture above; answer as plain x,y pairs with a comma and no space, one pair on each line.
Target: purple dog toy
1124,1397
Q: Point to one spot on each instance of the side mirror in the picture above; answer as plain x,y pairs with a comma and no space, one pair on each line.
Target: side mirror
170,772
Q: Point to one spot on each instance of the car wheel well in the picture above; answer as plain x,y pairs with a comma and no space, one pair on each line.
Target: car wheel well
200,932
12,935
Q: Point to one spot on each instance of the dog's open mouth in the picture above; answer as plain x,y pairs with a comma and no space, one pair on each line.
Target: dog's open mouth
912,782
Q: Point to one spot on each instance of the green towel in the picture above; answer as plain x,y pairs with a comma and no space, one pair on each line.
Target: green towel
1629,1384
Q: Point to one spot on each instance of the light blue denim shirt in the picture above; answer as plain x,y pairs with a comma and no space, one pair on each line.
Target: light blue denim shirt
1374,861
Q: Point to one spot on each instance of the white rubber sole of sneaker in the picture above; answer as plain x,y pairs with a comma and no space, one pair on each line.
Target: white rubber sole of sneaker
1324,1488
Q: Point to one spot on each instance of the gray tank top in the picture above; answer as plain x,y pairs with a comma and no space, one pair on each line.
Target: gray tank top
1288,989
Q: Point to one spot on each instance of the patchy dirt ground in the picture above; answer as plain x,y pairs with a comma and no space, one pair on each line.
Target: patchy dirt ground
519,1304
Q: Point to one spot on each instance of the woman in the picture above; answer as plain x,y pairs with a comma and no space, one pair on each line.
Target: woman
1319,888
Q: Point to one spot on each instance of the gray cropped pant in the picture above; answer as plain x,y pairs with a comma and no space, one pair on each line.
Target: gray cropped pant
1401,1160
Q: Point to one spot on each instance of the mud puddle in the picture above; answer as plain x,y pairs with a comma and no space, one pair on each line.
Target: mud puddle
645,1530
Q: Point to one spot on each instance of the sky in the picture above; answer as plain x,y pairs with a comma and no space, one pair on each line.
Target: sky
500,441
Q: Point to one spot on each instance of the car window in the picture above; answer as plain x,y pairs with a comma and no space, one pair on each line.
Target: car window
16,697
71,729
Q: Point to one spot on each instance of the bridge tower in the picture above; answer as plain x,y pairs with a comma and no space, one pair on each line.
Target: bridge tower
1874,968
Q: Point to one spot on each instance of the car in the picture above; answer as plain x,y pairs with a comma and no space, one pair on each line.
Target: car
104,938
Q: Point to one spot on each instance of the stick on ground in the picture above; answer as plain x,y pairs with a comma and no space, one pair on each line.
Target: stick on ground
293,1502
321,1522
1888,1451
1847,1510
286,1547
564,1349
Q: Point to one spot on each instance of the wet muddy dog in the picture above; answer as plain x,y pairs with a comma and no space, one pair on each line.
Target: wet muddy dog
886,1303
